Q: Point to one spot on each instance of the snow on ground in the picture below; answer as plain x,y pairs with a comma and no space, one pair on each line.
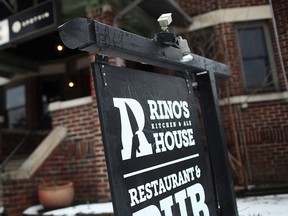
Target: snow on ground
269,205
86,209
96,208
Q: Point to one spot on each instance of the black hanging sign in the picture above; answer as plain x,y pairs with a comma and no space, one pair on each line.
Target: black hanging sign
29,23
156,162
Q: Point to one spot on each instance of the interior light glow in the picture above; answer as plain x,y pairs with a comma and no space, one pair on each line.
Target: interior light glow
71,84
59,48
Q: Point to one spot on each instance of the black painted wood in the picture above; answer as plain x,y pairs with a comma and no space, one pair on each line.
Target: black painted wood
96,37
216,144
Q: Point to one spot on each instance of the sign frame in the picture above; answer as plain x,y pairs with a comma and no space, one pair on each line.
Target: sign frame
95,37
185,165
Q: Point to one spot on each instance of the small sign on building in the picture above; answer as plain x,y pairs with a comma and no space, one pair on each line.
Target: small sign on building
29,23
156,160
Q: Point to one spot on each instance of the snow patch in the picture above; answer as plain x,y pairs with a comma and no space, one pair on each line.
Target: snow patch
271,205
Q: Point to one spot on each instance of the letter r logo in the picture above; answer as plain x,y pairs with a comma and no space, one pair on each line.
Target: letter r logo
134,141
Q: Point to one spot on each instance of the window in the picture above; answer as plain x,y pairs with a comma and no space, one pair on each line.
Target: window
257,60
24,103
15,107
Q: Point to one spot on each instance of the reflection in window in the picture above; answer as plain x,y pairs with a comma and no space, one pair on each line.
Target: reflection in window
15,107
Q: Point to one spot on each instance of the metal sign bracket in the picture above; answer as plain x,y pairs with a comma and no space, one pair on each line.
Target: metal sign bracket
102,61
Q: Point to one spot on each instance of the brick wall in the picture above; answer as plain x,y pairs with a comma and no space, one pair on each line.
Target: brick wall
281,17
262,133
197,7
76,158
241,3
104,14
80,157
261,129
18,195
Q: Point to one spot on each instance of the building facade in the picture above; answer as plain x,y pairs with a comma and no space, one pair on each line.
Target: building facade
249,36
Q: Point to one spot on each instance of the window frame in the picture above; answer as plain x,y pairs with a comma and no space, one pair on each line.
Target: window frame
270,54
15,108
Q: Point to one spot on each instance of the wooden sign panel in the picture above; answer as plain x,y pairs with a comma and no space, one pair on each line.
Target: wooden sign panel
156,161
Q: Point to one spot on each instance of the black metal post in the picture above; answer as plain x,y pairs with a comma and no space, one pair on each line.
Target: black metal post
217,145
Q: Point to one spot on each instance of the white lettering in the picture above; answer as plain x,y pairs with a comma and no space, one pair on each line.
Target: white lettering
159,142
169,140
168,112
177,109
134,141
35,19
186,112
166,204
194,193
162,109
162,188
180,199
141,190
162,185
197,198
151,210
155,184
149,194
153,109
133,196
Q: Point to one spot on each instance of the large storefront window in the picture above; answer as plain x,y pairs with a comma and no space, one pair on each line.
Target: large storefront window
16,107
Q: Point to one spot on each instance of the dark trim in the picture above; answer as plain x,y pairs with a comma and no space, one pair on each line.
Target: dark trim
96,37
271,58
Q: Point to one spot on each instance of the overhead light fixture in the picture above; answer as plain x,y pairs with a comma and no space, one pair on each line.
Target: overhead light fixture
71,84
184,50
170,39
59,47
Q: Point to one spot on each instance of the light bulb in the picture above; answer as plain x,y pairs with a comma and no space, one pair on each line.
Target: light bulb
59,48
71,84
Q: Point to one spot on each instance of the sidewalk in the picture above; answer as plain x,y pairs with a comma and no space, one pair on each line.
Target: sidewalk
269,205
